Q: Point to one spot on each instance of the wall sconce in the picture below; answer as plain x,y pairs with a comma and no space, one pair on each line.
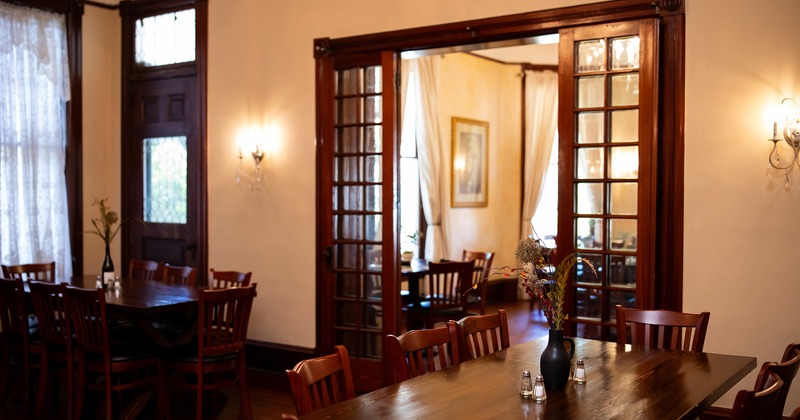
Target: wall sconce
790,134
251,144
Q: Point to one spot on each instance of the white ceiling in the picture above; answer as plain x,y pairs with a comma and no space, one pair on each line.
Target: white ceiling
543,54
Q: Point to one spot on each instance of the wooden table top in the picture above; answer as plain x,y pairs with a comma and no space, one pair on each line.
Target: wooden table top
142,295
622,382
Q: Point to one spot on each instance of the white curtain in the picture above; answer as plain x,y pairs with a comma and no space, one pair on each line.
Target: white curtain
429,151
34,90
541,114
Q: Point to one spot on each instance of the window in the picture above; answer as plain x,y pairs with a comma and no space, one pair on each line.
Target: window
409,175
166,39
34,90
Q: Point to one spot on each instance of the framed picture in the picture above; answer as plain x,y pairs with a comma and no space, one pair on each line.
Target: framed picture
470,164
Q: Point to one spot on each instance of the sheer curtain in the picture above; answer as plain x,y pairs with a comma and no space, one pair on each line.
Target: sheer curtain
34,89
541,113
429,150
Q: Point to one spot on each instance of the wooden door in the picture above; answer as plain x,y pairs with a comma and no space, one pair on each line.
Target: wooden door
164,156
608,123
357,291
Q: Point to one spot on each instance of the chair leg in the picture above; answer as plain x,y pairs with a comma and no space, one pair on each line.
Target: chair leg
70,386
108,383
26,380
247,410
80,385
200,386
42,388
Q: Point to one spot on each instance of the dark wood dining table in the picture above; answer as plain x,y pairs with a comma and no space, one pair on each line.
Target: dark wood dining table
143,302
622,382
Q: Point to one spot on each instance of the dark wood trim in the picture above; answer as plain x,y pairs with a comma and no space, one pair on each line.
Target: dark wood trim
274,357
539,67
490,29
669,213
716,413
101,5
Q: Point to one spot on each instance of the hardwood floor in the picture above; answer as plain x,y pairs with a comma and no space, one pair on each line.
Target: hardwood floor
269,391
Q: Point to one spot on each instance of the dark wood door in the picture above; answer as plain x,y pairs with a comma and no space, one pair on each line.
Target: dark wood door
357,267
163,159
608,124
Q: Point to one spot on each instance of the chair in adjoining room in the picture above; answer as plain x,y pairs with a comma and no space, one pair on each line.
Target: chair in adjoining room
786,370
662,329
144,270
175,274
480,277
226,279
217,358
757,404
106,364
480,335
55,333
447,283
322,381
418,352
38,272
19,339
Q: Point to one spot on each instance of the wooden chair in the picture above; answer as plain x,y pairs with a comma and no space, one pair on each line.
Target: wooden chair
144,270
55,333
175,274
38,272
786,370
322,381
662,329
217,359
17,340
226,279
480,276
105,363
480,335
757,404
418,352
447,284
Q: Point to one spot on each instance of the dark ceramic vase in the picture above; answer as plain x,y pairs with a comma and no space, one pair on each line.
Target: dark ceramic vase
554,363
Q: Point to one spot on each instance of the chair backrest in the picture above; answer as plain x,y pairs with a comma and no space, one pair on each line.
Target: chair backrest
418,352
786,370
448,282
482,267
176,274
13,315
226,279
51,311
662,329
87,312
144,270
322,381
223,320
757,404
480,335
38,272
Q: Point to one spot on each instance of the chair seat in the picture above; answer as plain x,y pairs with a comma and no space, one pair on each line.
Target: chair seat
425,306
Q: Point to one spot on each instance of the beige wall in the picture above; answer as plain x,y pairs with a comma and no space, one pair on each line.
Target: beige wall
741,230
101,127
480,89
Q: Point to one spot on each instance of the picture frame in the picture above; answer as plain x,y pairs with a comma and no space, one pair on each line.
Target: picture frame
469,166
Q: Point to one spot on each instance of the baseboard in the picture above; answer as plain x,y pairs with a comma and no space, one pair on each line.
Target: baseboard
273,357
715,413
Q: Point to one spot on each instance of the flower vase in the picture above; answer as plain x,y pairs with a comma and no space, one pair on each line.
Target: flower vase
555,361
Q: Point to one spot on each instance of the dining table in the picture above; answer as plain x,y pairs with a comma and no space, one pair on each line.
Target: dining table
145,302
622,381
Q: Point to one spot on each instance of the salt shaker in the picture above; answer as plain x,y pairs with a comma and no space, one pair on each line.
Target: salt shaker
579,377
539,394
526,384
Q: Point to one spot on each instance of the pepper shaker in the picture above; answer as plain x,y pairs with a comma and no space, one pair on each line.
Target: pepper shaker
526,384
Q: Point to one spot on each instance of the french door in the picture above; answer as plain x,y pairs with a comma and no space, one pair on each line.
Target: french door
608,123
357,155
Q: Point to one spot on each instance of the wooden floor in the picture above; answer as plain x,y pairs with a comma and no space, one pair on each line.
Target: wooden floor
269,392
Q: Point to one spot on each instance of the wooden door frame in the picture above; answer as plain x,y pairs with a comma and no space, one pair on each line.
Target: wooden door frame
130,11
668,282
